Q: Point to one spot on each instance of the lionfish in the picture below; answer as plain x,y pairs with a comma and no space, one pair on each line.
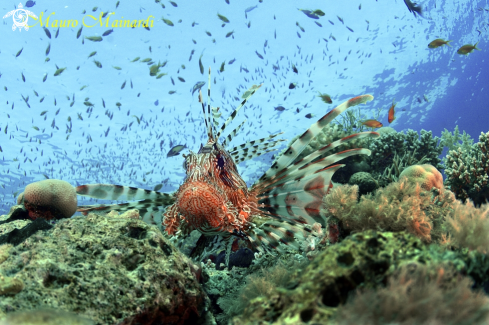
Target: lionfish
280,207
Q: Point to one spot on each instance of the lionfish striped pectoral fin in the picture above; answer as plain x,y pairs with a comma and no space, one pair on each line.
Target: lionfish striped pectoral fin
149,204
271,234
295,149
299,200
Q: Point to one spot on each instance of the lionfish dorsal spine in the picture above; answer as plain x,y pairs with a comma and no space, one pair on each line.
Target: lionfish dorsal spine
246,96
208,116
295,149
215,116
250,152
231,135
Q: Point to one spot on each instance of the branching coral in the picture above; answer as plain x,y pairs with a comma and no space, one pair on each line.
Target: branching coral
452,140
424,147
467,171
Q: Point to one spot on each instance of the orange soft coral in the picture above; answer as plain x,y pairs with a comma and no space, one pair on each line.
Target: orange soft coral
399,206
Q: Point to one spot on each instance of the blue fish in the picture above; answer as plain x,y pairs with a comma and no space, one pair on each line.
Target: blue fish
309,14
108,32
197,86
250,8
156,103
30,3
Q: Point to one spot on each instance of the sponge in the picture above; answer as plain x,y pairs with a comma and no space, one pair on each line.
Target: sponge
425,175
49,199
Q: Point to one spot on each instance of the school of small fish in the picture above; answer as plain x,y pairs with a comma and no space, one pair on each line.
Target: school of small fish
83,106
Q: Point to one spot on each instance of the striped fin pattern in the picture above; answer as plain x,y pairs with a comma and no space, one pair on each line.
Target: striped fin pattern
121,193
231,135
150,201
215,116
293,191
273,232
299,200
255,151
305,162
300,144
207,117
249,144
246,96
243,156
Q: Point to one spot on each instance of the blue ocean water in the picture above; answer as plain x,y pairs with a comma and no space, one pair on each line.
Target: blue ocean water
83,126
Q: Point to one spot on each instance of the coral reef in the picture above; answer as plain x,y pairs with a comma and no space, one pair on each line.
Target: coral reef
469,226
425,175
45,316
467,170
364,260
418,294
108,269
417,148
366,183
402,205
49,199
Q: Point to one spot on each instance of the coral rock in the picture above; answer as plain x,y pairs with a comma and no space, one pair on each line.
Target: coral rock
365,182
50,199
426,175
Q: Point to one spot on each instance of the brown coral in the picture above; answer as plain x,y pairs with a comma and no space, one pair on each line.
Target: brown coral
399,206
418,294
50,199
468,226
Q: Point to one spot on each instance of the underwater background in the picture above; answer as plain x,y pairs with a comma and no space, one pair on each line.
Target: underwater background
105,119
86,100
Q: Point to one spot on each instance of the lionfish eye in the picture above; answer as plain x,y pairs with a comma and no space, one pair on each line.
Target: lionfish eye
220,161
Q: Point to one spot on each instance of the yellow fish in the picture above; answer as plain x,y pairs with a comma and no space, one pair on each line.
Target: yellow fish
468,48
438,42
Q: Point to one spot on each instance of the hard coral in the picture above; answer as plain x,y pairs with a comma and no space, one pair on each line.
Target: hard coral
49,199
425,175
367,260
467,171
423,146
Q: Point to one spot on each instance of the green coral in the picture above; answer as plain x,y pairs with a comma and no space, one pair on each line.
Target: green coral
418,294
467,171
452,140
363,260
424,147
366,183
